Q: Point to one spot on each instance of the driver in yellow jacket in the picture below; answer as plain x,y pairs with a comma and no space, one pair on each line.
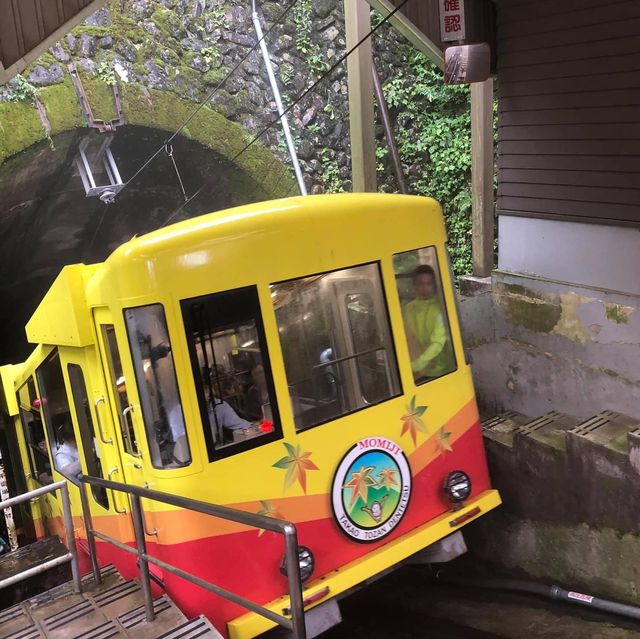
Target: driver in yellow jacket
429,345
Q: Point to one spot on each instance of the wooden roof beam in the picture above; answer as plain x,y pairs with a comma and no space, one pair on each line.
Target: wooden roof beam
410,31
21,64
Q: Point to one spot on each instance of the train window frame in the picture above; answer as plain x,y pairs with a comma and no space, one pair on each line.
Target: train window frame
234,319
47,416
443,302
83,415
142,390
389,329
130,445
32,449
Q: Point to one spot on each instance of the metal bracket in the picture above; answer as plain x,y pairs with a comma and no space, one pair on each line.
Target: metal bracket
104,157
101,125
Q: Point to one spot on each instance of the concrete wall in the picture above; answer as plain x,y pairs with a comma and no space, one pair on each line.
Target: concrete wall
538,345
592,255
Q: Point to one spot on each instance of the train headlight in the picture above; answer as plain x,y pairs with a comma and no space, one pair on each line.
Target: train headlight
457,486
306,562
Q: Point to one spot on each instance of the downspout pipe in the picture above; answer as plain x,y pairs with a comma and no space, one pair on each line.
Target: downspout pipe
276,94
551,592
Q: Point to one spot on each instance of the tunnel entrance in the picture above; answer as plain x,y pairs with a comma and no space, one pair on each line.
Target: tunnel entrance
46,221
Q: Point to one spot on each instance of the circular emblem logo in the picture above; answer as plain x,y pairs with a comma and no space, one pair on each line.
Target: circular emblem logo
371,489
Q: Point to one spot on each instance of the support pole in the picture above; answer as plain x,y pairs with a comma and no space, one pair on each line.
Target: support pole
388,131
361,113
276,95
482,177
70,538
88,528
141,545
295,583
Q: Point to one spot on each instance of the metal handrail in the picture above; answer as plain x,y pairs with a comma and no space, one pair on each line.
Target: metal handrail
72,554
296,624
96,404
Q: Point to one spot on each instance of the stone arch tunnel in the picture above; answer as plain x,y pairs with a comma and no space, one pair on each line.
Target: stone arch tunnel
47,221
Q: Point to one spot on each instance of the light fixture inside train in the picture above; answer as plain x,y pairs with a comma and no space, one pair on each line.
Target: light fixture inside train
306,562
457,486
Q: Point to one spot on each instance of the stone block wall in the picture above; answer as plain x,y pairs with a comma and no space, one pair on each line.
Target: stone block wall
187,47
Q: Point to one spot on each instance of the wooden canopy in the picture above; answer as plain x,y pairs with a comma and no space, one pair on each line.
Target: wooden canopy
29,27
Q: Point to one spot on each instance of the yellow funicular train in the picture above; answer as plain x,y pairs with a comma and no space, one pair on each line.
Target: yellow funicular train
300,358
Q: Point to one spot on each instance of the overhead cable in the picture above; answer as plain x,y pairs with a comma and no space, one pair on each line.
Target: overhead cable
209,97
301,97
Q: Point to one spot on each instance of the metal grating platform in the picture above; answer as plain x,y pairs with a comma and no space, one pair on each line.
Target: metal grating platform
113,610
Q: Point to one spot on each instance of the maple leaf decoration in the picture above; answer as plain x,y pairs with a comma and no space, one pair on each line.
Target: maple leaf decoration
269,510
388,478
442,442
360,483
296,463
412,420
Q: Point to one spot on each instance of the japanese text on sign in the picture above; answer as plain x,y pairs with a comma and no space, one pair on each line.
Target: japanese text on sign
452,20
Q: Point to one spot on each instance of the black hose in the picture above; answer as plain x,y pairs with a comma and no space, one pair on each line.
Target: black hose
552,592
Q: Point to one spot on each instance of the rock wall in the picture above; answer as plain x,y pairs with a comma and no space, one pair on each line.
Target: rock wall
187,47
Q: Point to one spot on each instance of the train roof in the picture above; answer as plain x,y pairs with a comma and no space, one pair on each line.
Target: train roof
239,244
319,212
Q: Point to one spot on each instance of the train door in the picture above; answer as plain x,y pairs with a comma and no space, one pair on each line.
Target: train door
38,462
117,405
99,449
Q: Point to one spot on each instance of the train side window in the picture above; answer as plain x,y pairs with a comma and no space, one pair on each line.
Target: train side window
230,361
424,314
33,428
120,388
87,430
336,343
57,416
157,386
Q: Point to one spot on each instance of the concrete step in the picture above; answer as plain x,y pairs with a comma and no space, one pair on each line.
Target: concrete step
107,630
609,429
28,632
500,428
118,599
13,621
72,620
26,616
559,468
113,610
167,618
198,628
549,430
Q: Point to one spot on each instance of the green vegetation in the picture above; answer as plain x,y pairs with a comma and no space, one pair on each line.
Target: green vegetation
211,55
23,90
305,44
433,133
216,15
106,73
331,177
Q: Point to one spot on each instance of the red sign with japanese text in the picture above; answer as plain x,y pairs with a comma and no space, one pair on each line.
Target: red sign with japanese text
452,20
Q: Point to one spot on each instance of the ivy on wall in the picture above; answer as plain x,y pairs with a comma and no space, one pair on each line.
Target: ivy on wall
432,124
